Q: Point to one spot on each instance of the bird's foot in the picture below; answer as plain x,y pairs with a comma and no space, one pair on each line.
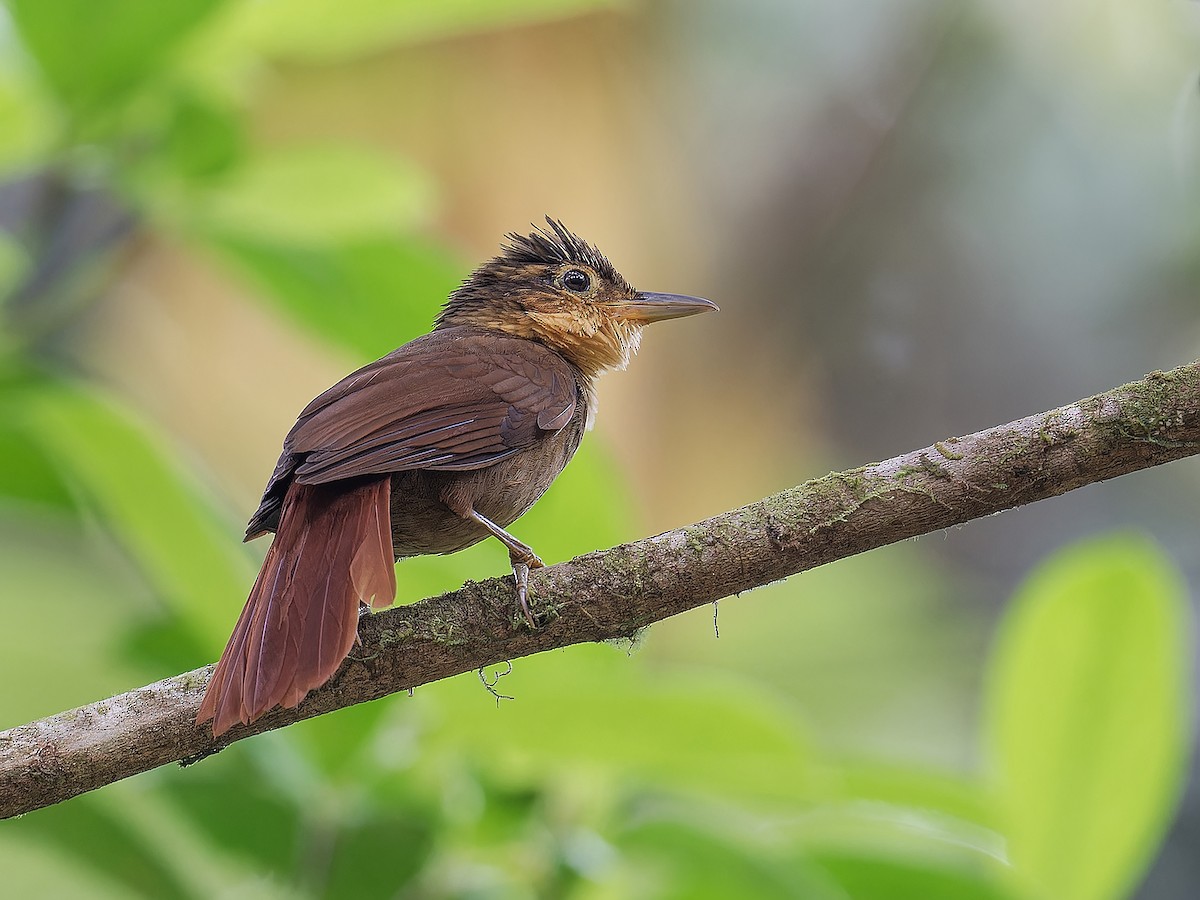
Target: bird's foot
526,557
521,577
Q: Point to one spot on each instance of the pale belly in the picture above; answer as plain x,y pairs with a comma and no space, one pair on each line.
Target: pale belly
422,523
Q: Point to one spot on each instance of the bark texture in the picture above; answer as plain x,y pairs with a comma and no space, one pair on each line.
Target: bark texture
614,593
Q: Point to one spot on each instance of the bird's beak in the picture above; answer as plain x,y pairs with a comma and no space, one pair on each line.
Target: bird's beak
647,307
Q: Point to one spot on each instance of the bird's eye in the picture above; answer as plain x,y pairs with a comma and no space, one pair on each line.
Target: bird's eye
574,280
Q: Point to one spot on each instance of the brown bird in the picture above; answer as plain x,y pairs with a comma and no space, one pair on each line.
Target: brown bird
434,447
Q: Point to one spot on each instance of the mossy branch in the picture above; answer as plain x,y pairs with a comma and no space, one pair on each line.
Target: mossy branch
613,593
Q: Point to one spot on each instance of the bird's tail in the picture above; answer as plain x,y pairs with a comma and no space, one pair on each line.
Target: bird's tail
332,550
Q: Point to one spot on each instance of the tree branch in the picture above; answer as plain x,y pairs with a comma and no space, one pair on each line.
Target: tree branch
613,593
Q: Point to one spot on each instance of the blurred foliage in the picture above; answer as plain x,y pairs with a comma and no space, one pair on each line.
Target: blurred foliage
610,775
1088,717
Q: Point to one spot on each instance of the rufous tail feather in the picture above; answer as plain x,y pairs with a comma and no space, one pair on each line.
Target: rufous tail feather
332,551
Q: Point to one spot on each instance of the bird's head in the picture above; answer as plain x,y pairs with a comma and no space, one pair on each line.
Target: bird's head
555,288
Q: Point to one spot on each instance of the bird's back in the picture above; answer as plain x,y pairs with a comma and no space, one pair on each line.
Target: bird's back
491,417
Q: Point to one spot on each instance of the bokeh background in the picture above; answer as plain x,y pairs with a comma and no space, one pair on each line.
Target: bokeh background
920,218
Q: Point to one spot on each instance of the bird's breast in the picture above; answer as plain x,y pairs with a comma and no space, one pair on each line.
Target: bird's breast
502,492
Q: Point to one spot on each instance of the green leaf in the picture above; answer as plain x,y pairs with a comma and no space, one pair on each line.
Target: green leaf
686,860
185,547
85,598
27,476
368,295
1086,716
311,196
336,743
378,856
865,876
304,30
84,829
253,803
886,851
92,53
240,811
203,139
25,126
946,793
593,711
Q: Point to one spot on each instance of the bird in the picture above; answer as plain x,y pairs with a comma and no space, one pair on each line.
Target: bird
436,446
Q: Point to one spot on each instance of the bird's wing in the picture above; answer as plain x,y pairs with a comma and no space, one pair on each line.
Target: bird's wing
453,400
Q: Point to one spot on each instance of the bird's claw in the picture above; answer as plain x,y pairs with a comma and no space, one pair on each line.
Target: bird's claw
521,577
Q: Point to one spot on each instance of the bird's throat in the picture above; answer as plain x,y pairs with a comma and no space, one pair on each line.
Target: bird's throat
591,345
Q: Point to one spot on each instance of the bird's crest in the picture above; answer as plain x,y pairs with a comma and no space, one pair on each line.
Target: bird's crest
555,245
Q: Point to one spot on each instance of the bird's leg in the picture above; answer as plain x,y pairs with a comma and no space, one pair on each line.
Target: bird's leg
520,555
